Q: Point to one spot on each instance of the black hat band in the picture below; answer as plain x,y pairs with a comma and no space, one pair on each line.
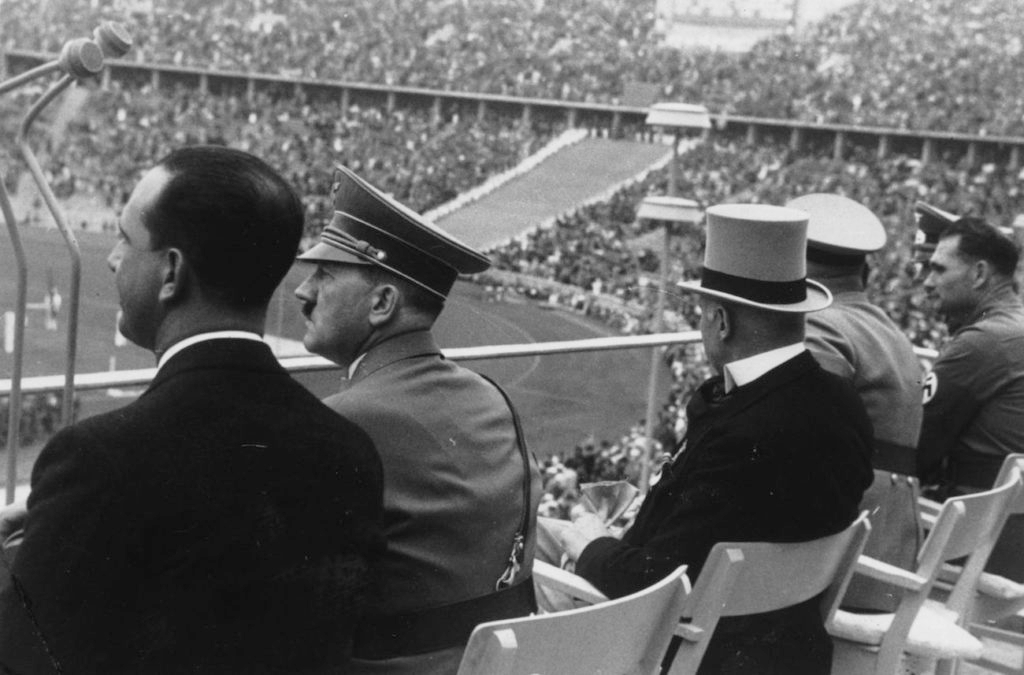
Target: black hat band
768,292
834,259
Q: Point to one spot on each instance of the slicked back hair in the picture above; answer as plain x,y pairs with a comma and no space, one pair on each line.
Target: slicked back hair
981,241
237,221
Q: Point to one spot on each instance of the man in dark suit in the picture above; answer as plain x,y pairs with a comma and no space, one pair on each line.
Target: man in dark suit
226,521
776,449
460,489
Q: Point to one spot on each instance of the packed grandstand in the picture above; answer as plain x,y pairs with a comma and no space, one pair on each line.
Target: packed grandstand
927,65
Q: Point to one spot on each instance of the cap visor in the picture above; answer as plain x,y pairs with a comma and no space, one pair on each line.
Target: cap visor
326,253
818,297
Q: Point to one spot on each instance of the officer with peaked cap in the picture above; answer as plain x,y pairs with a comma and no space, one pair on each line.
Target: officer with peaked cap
930,221
460,489
857,341
776,448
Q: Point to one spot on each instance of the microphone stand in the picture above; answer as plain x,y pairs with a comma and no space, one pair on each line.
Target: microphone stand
79,59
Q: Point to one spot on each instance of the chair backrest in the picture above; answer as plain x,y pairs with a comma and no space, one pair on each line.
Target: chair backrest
1014,460
624,636
967,526
974,531
751,578
985,514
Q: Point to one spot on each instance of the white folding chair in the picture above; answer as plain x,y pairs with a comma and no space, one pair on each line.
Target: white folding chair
923,632
625,636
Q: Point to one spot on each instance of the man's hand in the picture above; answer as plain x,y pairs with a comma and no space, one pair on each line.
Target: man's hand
585,528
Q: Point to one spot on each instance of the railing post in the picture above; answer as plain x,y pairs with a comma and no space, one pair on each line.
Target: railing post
839,145
796,139
752,133
435,112
884,143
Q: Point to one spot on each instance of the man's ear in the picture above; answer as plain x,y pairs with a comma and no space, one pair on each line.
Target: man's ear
384,302
981,272
723,322
174,280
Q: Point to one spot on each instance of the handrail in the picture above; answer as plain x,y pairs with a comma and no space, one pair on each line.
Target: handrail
304,364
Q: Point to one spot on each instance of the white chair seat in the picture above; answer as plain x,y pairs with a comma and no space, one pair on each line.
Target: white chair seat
996,586
934,633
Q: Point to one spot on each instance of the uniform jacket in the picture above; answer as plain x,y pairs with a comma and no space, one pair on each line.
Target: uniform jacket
857,341
224,522
974,397
453,481
974,413
783,458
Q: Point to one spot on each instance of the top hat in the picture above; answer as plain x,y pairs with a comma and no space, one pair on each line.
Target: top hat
755,256
371,228
931,221
840,231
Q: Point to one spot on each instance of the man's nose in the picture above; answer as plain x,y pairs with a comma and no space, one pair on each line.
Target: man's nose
303,292
114,259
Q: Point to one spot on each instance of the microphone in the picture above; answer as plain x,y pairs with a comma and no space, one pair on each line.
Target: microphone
113,38
80,58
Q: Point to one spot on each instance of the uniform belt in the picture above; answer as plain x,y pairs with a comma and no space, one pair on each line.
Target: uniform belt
894,457
387,636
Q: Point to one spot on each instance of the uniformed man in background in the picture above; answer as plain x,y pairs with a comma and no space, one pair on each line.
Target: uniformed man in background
856,340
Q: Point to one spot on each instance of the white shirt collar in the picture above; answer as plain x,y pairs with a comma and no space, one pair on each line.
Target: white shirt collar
355,364
745,371
204,337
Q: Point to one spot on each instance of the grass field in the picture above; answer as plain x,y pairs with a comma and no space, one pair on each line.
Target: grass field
562,399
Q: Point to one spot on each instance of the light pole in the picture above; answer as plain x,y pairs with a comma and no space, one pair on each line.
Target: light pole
667,209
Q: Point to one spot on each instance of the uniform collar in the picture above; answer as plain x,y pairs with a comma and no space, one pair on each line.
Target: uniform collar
395,348
999,297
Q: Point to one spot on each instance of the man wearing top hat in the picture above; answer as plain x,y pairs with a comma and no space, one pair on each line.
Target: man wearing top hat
974,394
460,490
776,448
856,340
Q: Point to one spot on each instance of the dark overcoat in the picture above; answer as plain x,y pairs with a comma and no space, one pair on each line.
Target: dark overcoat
224,522
784,458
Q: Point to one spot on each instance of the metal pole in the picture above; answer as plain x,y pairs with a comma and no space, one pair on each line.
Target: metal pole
651,417
14,411
69,238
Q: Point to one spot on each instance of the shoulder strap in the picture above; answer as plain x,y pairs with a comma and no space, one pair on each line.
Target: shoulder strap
515,559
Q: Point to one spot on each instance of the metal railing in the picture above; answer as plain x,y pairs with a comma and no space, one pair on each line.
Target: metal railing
304,364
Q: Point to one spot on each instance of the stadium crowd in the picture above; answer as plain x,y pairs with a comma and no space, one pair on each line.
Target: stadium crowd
873,63
121,128
933,64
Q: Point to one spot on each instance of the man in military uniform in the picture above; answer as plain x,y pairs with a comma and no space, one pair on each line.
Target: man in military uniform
974,395
460,489
855,339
